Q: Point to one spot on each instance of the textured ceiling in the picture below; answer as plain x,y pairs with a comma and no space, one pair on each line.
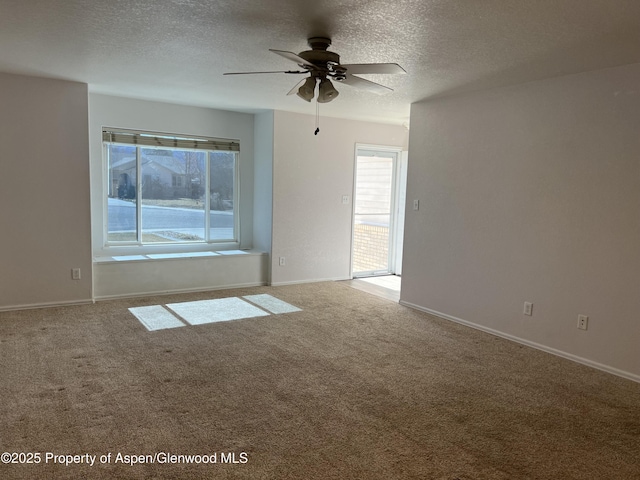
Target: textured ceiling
176,51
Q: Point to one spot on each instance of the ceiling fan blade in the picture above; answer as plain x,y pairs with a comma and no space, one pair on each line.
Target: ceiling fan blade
365,84
254,73
374,68
293,57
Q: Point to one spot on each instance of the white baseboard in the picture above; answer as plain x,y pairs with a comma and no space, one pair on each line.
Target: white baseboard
316,280
538,346
31,306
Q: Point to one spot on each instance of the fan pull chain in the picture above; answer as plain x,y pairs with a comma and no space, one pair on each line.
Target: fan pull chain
317,118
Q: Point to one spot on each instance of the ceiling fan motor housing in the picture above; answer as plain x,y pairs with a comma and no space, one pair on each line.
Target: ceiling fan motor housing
319,43
319,55
320,58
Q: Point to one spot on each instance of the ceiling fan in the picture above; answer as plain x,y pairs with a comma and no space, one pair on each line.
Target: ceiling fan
323,65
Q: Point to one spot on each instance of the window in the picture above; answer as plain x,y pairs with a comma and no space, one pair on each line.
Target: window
177,180
170,189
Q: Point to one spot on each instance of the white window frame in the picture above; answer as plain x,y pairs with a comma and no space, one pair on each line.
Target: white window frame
174,142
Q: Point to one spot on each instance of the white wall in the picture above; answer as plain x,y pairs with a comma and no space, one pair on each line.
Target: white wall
44,192
114,278
140,277
263,182
311,173
532,193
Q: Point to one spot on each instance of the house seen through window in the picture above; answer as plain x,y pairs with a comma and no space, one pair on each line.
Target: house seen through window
168,189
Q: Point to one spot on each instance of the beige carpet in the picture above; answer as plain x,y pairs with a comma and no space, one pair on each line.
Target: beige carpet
351,387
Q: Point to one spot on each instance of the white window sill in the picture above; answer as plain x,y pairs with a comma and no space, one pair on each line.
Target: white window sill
172,256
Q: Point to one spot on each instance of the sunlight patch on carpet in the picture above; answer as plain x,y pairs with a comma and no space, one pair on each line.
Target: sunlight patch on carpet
218,310
160,317
272,304
156,317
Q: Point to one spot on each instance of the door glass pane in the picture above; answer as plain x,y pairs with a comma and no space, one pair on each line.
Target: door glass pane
373,203
121,193
172,195
221,195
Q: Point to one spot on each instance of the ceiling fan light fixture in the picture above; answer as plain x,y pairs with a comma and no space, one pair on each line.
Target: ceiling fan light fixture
326,91
306,91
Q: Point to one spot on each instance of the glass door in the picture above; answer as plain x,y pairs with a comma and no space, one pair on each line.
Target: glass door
374,217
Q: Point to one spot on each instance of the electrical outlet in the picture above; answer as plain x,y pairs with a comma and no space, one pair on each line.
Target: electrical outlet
281,262
528,308
345,199
583,322
75,274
